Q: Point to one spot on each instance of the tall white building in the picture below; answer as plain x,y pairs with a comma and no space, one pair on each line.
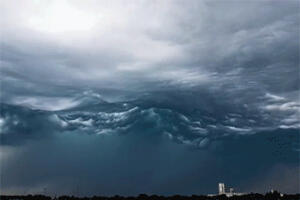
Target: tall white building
221,188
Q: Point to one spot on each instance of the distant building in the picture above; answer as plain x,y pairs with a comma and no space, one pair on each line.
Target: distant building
272,191
221,188
222,191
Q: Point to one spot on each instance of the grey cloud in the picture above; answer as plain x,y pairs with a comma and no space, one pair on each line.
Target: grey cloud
261,45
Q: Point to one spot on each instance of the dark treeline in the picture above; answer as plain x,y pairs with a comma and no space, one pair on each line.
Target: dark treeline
252,196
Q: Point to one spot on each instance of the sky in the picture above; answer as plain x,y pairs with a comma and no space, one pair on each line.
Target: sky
157,97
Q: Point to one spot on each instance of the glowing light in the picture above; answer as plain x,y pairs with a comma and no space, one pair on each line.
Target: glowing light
62,17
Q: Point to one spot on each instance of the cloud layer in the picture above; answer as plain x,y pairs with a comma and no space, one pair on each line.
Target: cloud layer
149,45
167,90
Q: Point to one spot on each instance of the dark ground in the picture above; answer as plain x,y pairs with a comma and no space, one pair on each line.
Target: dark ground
252,196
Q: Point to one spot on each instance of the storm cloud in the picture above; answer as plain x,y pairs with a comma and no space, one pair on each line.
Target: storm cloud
148,45
135,84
